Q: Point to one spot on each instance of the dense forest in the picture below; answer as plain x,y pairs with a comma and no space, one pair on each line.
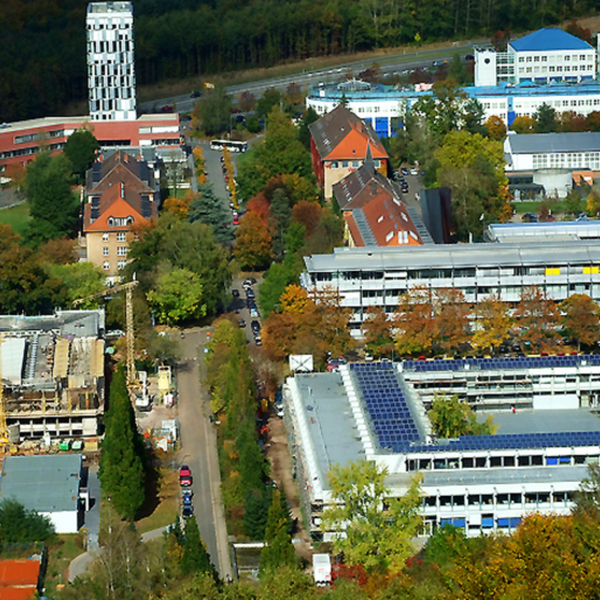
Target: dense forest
42,55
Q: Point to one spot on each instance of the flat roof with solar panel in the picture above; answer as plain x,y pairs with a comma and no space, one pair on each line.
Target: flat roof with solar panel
535,460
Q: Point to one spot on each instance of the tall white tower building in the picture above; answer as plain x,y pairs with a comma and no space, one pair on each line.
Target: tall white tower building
111,75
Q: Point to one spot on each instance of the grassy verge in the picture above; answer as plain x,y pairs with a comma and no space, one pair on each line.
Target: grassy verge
60,555
166,506
17,217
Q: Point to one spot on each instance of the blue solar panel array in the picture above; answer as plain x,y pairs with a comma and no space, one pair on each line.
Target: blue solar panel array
396,428
386,404
512,441
516,362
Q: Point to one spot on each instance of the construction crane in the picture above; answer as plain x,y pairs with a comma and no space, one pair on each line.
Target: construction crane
3,425
132,382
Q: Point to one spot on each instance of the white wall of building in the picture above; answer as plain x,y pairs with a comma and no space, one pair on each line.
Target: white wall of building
110,58
63,521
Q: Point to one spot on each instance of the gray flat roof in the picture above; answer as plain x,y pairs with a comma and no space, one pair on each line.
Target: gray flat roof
330,420
587,141
44,483
75,323
503,475
454,256
544,421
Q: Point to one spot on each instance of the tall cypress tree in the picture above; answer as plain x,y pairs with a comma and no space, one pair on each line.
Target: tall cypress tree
278,549
195,557
121,466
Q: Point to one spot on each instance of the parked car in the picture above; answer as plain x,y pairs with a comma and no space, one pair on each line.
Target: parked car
414,170
242,323
187,493
254,313
185,476
258,341
255,325
250,281
529,218
250,293
188,511
235,293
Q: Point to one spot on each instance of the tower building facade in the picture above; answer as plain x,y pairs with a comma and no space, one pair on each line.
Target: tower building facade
110,59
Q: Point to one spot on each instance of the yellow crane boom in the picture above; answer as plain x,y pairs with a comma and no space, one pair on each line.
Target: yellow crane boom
129,333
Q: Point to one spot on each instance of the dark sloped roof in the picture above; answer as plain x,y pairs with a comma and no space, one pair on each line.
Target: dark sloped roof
360,187
587,141
549,38
330,131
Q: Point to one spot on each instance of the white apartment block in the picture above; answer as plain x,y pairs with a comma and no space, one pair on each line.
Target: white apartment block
110,57
543,56
366,277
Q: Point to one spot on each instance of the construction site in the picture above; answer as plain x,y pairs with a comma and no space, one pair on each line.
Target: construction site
53,383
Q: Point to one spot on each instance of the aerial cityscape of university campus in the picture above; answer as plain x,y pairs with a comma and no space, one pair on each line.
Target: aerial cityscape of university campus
299,300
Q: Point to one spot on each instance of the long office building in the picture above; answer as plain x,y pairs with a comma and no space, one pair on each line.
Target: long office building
384,107
110,59
486,483
366,276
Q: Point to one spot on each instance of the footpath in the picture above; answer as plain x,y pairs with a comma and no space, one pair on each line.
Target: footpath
80,564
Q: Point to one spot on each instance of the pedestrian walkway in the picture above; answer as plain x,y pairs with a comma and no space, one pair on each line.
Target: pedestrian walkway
80,564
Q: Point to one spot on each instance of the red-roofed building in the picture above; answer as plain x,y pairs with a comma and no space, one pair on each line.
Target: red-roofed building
120,195
19,579
339,142
20,141
373,210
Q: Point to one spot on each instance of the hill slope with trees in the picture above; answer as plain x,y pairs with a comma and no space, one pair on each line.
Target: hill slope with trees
42,56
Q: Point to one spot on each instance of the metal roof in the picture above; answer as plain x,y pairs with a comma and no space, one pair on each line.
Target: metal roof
543,232
44,483
13,359
454,256
549,38
535,143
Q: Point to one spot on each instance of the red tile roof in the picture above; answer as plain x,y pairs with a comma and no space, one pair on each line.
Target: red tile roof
114,189
18,579
384,219
341,135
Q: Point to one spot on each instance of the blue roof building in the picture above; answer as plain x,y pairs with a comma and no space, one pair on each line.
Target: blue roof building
543,56
381,105
549,39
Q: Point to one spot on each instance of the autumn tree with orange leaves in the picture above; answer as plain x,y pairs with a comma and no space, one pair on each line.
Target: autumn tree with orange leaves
377,331
416,326
493,323
452,319
253,242
536,317
312,323
580,318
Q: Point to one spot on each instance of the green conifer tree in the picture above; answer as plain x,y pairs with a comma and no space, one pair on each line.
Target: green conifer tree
278,550
195,558
121,466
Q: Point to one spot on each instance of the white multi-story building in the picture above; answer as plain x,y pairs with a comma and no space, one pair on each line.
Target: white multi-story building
544,56
368,276
571,151
481,484
110,58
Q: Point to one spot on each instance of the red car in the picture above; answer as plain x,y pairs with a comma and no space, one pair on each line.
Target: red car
185,476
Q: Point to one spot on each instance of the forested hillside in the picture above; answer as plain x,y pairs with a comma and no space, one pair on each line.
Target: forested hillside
42,49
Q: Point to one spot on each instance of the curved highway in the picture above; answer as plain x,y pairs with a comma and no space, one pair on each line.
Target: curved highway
308,79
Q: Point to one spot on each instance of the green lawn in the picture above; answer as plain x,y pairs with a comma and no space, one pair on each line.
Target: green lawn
60,555
533,206
17,217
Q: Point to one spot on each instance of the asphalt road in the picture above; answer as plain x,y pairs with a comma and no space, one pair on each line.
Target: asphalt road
199,450
312,78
